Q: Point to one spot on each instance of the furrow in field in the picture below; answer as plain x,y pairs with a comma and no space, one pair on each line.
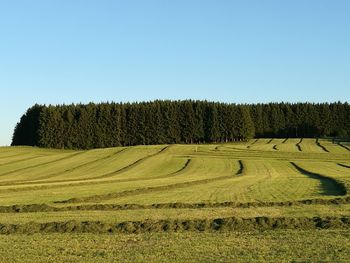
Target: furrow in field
261,145
241,168
71,169
251,144
313,146
21,160
272,155
81,182
321,146
254,142
41,164
284,146
280,182
329,185
343,165
130,166
298,145
180,170
66,184
87,172
42,179
5,150
13,155
197,192
262,185
97,198
333,147
344,146
8,160
272,181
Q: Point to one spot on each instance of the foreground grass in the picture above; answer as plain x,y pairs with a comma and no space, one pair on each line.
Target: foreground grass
270,246
287,173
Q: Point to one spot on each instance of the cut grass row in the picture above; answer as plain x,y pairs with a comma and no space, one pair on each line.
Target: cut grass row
197,170
178,225
262,181
210,213
198,174
203,181
206,203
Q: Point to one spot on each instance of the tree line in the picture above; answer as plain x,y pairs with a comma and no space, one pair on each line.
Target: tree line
80,126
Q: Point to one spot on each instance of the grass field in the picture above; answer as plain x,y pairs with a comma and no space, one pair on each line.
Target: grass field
151,203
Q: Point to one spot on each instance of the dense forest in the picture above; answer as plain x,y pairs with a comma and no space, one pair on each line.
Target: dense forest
165,122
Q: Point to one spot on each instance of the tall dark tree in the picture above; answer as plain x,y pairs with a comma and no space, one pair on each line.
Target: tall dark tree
27,130
212,124
187,121
164,122
246,126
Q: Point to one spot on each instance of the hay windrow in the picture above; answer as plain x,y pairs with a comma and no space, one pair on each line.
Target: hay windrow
111,207
131,165
197,225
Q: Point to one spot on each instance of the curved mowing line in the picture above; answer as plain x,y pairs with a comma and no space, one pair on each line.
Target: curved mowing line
321,146
254,142
298,145
13,155
329,185
38,180
344,146
87,182
145,190
130,166
343,165
21,160
178,171
75,168
241,168
40,164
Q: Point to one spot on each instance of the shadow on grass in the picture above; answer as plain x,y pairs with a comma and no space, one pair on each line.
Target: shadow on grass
329,186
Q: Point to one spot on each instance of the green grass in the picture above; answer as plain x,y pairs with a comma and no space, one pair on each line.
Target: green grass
164,174
269,246
276,173
161,174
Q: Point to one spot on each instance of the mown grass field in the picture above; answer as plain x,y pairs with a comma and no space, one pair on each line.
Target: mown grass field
234,201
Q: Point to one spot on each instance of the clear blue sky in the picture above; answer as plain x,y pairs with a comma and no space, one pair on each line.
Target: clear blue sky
234,51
